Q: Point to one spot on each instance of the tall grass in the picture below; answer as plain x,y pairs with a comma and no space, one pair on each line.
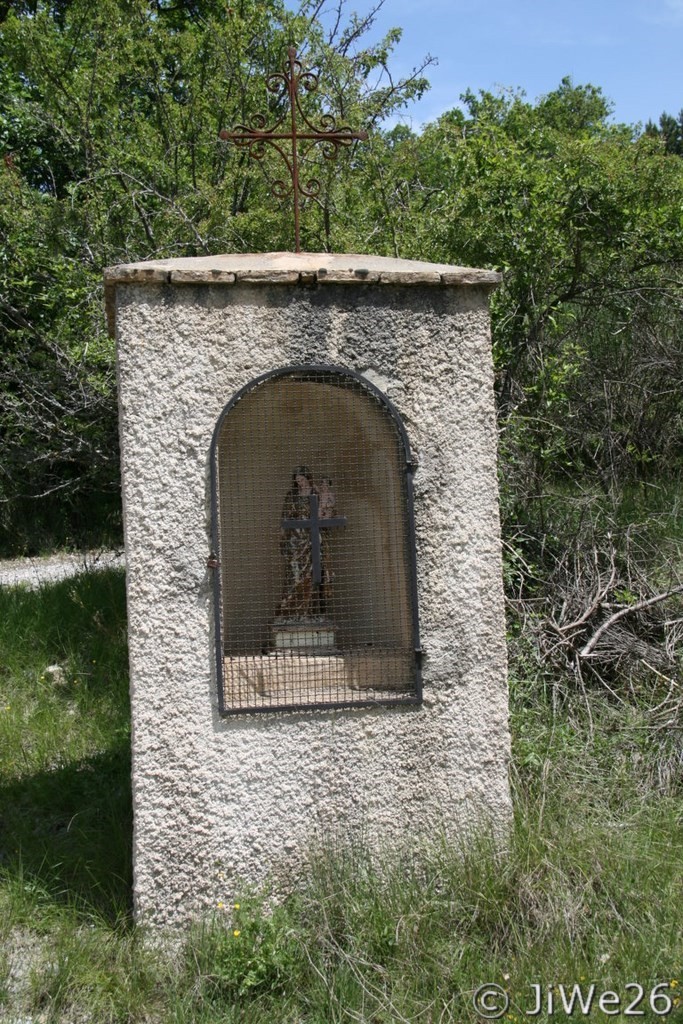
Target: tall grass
589,890
64,743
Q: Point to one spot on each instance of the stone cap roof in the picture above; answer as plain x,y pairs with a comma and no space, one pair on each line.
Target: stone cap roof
307,268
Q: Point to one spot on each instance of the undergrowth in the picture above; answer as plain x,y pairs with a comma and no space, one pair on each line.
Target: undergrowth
588,890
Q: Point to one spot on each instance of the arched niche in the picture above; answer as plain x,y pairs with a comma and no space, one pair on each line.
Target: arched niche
295,626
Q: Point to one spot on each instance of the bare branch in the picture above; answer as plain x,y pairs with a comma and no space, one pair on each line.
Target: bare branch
629,610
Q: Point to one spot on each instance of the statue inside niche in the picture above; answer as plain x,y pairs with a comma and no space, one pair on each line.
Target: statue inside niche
296,546
308,512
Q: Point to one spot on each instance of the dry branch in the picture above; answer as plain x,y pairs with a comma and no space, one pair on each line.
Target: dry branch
588,649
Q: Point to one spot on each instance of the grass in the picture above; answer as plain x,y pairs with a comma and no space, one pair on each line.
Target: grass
590,889
64,741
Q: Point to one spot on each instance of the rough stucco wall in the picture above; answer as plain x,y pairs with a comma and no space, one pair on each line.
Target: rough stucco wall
220,802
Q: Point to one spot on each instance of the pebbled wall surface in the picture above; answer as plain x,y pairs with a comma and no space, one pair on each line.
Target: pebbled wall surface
220,803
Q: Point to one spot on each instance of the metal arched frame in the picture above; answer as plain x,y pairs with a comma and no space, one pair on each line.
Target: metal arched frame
326,373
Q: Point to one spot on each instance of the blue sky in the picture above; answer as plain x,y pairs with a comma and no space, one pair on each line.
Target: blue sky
632,49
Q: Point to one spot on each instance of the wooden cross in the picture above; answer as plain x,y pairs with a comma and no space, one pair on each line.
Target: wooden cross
314,523
257,136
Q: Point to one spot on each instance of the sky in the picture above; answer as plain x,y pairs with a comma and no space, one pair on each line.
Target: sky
632,49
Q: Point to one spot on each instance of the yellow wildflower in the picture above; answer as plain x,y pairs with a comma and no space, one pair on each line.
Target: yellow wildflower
236,932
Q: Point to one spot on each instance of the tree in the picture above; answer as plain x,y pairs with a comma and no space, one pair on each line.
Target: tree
109,122
669,130
584,218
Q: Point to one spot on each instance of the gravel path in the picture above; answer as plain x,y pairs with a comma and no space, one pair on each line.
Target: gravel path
34,571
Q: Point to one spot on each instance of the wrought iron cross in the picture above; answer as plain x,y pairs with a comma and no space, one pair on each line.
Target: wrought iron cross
314,523
254,138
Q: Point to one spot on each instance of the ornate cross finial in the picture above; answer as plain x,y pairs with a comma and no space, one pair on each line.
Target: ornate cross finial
254,138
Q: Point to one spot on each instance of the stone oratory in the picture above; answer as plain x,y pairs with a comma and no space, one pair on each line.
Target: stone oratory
315,603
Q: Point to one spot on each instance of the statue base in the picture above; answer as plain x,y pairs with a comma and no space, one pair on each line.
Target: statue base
311,634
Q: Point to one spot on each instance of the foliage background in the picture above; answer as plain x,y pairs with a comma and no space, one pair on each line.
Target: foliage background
109,124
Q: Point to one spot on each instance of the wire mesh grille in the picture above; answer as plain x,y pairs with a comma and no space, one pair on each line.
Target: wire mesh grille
314,542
